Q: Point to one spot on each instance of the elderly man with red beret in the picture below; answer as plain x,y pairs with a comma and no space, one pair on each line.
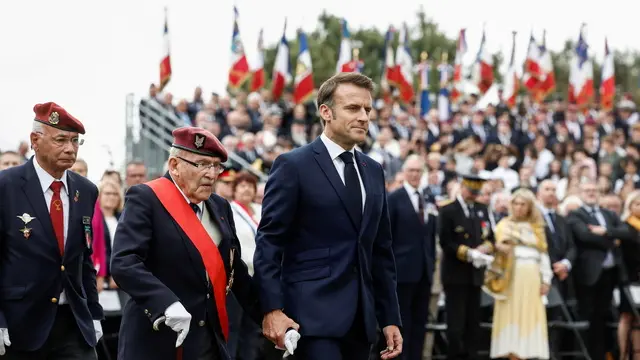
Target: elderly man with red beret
49,305
177,255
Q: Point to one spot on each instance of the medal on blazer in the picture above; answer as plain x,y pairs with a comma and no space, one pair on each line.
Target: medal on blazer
76,197
26,218
485,229
86,221
26,232
230,283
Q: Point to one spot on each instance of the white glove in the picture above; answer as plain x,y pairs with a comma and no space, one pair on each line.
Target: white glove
290,342
478,259
98,326
179,320
4,340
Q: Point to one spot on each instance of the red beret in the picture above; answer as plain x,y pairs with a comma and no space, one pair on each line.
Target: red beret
198,141
55,116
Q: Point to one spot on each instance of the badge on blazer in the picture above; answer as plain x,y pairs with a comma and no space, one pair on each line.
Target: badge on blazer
26,232
76,197
86,220
26,218
485,229
87,234
480,213
459,229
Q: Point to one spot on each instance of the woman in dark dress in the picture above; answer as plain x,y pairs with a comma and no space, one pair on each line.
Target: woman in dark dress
629,234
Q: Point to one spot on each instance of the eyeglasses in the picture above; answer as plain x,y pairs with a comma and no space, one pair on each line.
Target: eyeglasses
61,141
217,168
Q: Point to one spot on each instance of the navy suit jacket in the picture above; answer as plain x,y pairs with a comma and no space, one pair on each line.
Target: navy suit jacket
312,260
157,264
32,272
414,242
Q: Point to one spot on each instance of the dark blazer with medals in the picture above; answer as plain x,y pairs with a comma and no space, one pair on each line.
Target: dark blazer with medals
458,233
32,272
157,264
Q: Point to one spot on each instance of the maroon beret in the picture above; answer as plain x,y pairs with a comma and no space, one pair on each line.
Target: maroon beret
198,141
55,116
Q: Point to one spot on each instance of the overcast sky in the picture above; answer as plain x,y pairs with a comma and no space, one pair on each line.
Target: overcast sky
88,57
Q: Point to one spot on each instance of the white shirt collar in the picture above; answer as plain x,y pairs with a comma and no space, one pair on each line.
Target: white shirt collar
199,205
334,149
410,189
46,179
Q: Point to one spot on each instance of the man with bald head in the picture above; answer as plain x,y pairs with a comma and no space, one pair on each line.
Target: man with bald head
561,248
413,226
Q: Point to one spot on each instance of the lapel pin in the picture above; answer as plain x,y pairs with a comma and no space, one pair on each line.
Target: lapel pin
76,197
26,218
26,232
222,218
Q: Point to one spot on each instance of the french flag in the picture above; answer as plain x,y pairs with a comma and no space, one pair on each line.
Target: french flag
344,53
444,107
458,76
280,67
239,71
404,67
258,78
483,74
608,84
303,82
388,78
581,73
532,73
165,62
510,89
547,82
423,70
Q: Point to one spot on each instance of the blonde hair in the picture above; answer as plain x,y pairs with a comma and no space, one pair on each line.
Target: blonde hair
626,210
534,216
108,182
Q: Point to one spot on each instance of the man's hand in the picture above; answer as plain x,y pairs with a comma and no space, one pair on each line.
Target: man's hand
484,248
275,325
544,289
561,270
179,320
98,327
112,284
598,230
4,340
394,342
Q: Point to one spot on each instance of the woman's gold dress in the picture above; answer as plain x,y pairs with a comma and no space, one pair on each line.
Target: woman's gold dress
520,320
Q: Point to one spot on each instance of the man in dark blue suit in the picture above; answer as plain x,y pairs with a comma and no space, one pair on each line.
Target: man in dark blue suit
413,226
323,246
48,298
177,255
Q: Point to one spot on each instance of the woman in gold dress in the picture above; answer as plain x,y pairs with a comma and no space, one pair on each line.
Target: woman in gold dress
519,315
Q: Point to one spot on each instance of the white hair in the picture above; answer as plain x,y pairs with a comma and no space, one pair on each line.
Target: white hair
174,152
413,157
37,127
254,96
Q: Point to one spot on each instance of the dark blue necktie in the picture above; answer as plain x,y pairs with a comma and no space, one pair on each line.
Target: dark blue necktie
354,193
195,208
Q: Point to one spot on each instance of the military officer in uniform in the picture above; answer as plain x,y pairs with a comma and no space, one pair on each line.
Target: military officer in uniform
177,255
49,305
465,238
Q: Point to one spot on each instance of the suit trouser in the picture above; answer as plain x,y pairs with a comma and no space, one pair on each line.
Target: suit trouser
413,299
462,305
65,342
353,346
594,305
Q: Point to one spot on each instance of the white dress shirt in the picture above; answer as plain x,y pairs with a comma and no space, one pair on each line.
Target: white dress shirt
416,198
334,153
45,182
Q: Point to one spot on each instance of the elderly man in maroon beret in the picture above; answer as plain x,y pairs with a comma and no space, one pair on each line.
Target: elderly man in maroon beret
49,305
177,255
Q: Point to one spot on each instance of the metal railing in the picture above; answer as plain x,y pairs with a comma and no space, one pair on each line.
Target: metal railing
148,136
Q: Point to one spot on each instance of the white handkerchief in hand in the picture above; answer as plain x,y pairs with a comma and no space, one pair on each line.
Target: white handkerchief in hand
98,328
290,342
545,300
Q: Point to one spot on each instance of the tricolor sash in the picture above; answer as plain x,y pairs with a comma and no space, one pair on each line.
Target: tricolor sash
175,204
